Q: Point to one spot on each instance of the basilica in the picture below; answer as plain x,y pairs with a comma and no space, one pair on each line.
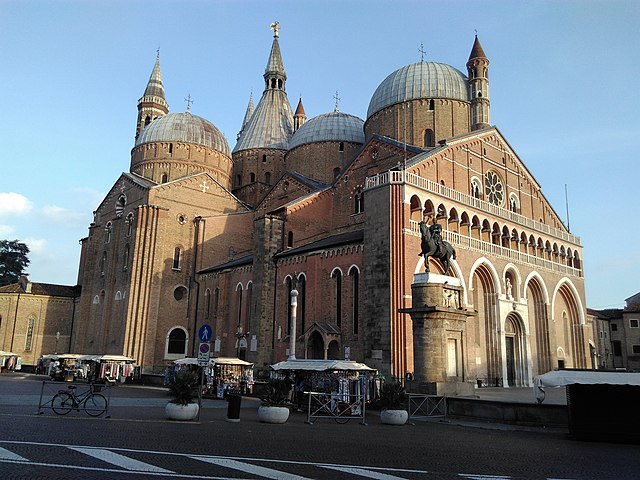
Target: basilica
198,233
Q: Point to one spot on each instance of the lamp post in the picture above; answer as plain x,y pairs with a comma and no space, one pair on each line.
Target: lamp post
241,335
57,338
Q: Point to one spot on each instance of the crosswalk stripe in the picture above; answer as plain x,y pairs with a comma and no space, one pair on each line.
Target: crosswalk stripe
120,460
363,472
473,476
249,468
9,455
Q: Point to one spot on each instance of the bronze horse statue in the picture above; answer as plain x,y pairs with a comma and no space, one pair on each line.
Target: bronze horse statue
432,245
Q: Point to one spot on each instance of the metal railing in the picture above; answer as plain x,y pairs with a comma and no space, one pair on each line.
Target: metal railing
427,406
339,407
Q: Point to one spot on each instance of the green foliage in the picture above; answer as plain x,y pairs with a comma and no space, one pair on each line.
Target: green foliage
183,387
13,261
393,396
276,393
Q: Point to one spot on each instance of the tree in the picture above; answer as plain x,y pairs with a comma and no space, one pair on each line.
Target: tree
13,261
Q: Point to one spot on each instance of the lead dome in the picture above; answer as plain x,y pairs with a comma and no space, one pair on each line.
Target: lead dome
420,80
334,126
185,128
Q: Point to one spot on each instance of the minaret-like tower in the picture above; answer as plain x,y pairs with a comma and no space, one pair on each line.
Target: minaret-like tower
478,69
300,117
152,104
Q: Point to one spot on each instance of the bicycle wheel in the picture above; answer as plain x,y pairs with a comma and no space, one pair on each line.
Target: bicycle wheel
343,413
62,403
95,405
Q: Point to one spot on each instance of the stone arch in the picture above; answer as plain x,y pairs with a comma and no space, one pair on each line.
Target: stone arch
511,271
516,372
537,299
567,301
333,350
415,207
176,342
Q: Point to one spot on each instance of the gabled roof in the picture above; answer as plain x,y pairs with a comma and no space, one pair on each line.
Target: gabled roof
607,314
48,289
236,262
314,187
356,236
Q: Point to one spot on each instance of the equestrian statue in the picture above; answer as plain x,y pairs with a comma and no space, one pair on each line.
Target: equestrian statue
433,245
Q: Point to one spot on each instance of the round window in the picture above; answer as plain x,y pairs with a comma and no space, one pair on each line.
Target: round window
493,188
179,293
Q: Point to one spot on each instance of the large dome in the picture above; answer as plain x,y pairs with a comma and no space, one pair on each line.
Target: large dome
420,80
187,128
334,126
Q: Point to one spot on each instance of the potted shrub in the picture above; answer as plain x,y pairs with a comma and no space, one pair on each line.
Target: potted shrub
393,400
183,390
275,401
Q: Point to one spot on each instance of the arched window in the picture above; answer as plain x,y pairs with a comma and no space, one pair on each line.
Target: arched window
290,239
164,178
337,276
28,341
476,187
302,292
252,177
103,263
289,316
514,205
428,138
239,303
177,253
129,224
171,148
239,180
431,105
207,303
267,178
264,158
342,146
120,204
177,343
359,201
216,298
355,290
107,232
147,120
336,172
125,257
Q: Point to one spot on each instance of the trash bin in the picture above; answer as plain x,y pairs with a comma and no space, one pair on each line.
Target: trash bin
233,409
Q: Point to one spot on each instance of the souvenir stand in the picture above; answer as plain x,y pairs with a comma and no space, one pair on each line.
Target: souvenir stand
61,367
9,361
227,373
345,377
220,375
114,368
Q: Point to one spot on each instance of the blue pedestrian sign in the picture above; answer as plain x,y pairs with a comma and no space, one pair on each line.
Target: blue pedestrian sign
205,333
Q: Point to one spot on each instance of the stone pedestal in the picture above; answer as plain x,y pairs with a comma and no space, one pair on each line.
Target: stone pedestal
439,339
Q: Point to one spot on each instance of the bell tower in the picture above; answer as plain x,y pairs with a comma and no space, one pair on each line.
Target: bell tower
152,104
478,69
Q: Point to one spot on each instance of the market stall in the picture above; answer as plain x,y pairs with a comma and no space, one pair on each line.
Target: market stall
344,378
113,368
602,406
221,375
9,361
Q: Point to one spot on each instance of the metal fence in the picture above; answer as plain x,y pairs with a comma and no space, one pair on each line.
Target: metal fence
427,406
81,397
340,408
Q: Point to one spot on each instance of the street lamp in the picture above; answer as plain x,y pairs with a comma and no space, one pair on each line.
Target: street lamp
241,342
57,338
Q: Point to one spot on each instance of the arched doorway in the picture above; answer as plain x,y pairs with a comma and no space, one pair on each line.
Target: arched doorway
514,352
333,352
315,346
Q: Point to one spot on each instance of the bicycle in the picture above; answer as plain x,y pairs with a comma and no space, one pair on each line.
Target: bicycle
95,404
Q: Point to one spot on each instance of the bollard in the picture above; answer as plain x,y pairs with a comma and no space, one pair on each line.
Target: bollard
233,409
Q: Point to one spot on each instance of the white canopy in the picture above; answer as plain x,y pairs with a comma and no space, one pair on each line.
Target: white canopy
214,361
115,358
562,378
321,365
7,354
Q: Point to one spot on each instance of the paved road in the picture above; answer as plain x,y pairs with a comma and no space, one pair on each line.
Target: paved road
136,442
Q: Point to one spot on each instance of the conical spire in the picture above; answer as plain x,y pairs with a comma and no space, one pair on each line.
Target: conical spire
153,103
300,117
155,87
476,50
249,112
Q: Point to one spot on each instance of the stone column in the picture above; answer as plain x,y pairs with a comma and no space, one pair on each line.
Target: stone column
439,335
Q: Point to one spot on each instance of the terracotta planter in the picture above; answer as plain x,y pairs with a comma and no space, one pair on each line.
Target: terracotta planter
273,414
174,411
394,417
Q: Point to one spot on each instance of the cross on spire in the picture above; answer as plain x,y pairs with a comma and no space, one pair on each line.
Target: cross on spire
157,52
189,101
337,99
422,52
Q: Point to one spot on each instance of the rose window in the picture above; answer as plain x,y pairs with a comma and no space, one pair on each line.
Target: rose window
493,188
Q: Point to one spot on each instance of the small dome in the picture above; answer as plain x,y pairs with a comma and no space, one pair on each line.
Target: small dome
334,126
420,80
187,128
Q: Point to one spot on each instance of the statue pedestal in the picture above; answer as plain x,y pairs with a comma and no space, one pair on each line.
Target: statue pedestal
439,339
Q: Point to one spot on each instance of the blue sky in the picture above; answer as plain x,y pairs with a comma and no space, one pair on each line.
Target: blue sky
561,86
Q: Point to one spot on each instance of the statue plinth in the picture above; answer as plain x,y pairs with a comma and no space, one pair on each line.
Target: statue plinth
439,339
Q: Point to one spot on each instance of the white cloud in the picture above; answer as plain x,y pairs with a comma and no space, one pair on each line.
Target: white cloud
36,245
14,204
58,214
6,231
